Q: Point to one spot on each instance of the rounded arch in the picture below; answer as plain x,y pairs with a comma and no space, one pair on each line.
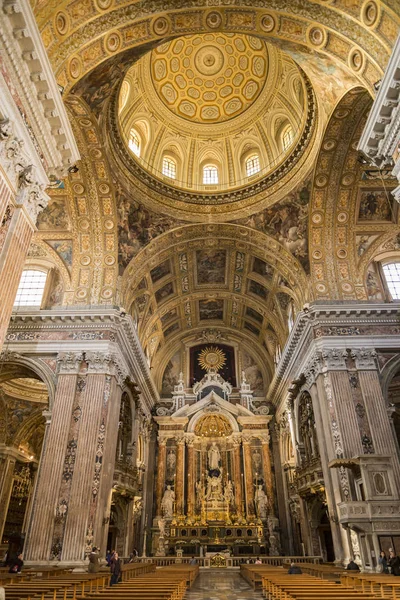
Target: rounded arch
334,203
323,28
200,414
13,363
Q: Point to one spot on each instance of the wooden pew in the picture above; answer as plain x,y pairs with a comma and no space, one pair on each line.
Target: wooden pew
381,584
307,587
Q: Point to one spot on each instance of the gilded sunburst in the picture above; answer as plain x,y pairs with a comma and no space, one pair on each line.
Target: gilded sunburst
212,358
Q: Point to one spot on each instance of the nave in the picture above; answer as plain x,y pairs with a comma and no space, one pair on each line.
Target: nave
225,585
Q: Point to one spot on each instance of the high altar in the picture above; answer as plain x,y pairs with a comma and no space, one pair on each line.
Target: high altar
214,484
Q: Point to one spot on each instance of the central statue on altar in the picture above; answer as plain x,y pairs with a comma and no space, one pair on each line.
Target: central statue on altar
214,488
214,457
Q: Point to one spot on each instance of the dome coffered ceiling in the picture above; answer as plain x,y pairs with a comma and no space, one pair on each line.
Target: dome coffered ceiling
210,78
212,100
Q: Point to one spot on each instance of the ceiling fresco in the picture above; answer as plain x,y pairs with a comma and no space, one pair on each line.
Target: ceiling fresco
187,263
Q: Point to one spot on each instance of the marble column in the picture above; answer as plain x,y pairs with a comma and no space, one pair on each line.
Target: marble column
94,459
383,439
267,470
18,215
180,476
40,529
237,476
161,469
190,478
73,492
248,474
7,465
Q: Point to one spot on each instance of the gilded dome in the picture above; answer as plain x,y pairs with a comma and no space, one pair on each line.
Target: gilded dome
210,78
213,113
213,425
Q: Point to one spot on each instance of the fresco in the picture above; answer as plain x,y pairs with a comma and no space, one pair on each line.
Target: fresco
258,289
171,314
283,300
164,292
262,268
373,284
211,266
211,309
171,329
137,227
160,271
54,216
252,328
63,249
375,205
171,375
287,222
253,374
254,314
57,292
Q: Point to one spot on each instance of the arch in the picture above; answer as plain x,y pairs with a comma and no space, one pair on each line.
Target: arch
324,28
12,362
334,203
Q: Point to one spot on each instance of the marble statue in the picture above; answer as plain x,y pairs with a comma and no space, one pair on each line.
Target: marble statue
167,503
261,501
161,526
228,493
214,488
171,461
214,456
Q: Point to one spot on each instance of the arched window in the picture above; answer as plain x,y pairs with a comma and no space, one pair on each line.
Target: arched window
134,142
287,137
210,174
31,288
252,165
391,272
169,167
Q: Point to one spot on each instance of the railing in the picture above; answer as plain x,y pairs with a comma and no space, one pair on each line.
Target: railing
231,561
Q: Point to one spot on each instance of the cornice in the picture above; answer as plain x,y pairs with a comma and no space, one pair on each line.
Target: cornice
382,130
105,330
343,322
31,73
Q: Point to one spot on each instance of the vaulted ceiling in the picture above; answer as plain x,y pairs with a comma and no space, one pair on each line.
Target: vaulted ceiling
182,262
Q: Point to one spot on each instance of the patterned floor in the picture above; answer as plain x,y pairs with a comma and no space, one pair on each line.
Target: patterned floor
221,584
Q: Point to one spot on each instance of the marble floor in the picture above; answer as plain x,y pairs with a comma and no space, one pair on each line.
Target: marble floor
221,584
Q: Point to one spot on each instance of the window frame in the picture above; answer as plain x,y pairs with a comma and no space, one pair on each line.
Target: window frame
252,158
288,130
134,133
210,168
167,171
386,283
38,304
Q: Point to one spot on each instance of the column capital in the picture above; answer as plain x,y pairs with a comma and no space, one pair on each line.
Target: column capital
364,358
264,437
236,439
327,359
69,362
189,439
107,363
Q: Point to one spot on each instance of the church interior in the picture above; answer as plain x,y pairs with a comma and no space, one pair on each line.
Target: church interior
199,283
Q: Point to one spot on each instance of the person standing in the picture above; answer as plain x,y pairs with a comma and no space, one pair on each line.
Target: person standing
16,565
394,563
382,563
94,565
115,569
